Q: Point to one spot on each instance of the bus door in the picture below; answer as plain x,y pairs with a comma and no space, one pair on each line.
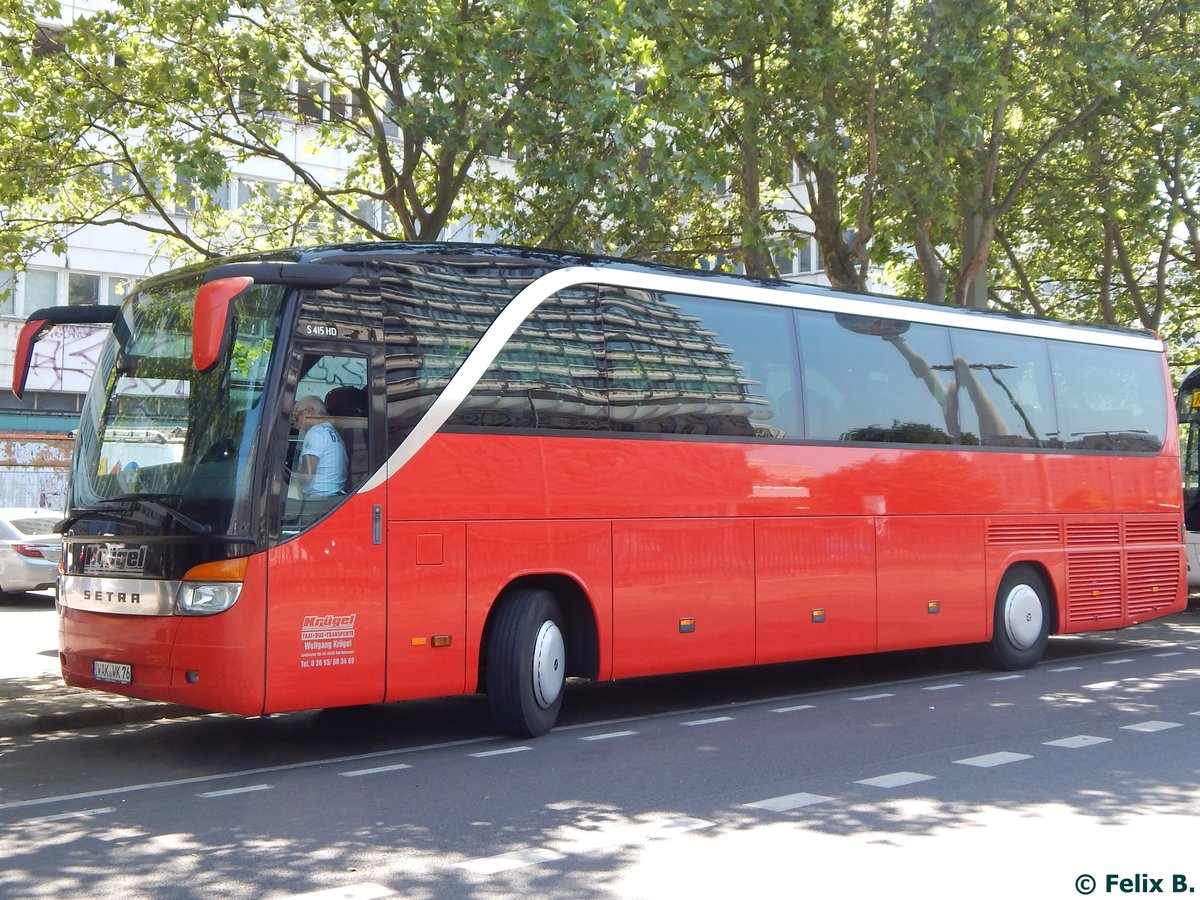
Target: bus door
326,570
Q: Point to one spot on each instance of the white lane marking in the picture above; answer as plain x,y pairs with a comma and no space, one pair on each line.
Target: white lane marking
1168,653
502,752
788,801
378,770
942,687
1117,662
224,776
988,760
712,721
78,814
1076,741
1067,669
229,792
895,779
586,838
364,891
1005,677
1149,727
1101,685
865,697
608,736
674,825
517,859
787,709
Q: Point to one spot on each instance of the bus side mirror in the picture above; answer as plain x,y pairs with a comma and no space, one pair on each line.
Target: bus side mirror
31,332
41,322
211,316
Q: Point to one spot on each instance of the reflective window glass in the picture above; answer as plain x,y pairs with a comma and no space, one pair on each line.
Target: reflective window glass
1005,398
1109,398
871,379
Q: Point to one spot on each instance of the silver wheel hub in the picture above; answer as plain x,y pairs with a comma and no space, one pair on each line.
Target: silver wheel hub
549,664
1023,616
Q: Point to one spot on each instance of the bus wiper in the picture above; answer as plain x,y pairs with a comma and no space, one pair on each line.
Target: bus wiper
82,512
155,502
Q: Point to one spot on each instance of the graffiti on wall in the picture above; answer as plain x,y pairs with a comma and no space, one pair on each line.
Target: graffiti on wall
65,359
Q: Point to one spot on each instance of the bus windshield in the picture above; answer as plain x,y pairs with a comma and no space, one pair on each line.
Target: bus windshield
171,447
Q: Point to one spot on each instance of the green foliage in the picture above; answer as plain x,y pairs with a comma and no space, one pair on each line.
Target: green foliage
1046,146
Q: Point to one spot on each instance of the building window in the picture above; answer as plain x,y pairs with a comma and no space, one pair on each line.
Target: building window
809,257
41,289
8,293
118,289
252,189
82,289
48,40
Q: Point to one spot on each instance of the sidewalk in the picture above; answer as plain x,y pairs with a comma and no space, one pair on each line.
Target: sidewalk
33,698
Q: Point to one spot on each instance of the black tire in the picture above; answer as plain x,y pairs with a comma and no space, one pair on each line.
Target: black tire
1020,619
526,663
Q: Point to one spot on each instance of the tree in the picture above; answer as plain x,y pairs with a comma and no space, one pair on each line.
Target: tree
389,118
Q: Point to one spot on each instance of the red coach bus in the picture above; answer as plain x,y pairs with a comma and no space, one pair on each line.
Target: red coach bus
564,466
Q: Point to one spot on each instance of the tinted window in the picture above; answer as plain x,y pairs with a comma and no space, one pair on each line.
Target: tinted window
869,379
1109,398
762,355
550,374
689,365
435,316
1004,391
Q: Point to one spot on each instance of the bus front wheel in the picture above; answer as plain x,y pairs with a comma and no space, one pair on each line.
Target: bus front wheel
526,663
1021,619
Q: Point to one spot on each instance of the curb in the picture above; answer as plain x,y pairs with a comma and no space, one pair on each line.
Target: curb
25,724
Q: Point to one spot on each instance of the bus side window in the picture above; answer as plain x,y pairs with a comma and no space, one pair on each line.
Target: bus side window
335,387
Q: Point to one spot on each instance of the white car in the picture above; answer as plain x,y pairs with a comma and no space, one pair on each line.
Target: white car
29,549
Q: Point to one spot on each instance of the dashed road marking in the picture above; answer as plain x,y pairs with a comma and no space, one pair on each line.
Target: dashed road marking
378,770
77,814
865,697
788,801
608,736
1118,662
942,687
990,760
229,792
1067,669
895,779
1152,726
1076,741
1012,677
787,709
504,751
517,859
713,721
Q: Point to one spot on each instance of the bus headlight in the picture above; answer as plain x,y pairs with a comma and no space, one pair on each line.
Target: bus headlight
195,599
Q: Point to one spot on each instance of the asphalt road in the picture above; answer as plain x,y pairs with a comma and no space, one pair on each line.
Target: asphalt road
891,775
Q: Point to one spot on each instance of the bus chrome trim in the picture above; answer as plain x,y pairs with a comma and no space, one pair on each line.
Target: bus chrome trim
124,596
527,300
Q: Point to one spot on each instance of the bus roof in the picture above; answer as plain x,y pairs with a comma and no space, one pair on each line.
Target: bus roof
729,286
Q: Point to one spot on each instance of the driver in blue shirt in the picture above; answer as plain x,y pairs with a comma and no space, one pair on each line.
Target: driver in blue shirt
323,461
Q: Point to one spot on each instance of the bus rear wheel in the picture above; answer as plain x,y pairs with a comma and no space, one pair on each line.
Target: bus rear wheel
526,663
1020,620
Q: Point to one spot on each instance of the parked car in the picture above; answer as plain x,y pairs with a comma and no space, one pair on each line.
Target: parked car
29,549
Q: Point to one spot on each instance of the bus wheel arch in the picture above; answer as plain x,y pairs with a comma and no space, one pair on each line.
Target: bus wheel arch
539,632
1023,617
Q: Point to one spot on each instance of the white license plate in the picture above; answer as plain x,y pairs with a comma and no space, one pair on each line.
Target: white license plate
120,673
